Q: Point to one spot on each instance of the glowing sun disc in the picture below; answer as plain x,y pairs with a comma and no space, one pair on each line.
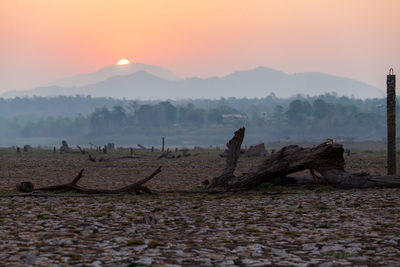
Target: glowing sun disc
123,62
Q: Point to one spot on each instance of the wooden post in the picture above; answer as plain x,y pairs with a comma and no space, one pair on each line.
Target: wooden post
163,142
391,122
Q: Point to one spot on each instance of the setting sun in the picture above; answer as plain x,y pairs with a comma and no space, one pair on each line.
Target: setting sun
123,62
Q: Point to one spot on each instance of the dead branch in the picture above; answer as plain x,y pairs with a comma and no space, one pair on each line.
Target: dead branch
137,187
91,158
142,147
81,150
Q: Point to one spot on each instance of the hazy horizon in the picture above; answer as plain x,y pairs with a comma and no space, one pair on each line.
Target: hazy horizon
43,41
142,81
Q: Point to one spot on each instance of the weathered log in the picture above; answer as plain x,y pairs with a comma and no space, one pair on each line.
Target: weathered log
137,187
185,152
81,150
256,150
325,161
166,154
231,160
142,147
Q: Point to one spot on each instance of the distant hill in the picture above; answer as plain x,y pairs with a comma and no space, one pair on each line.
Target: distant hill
258,82
111,71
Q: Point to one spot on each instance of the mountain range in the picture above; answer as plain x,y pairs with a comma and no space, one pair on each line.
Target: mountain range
142,81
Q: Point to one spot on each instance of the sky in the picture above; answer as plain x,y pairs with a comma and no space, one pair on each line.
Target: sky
44,40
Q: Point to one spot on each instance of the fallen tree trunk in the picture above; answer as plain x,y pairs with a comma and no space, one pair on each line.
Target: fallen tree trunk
325,160
137,187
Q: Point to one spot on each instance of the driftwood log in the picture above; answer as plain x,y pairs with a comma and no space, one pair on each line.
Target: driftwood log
324,161
93,159
137,187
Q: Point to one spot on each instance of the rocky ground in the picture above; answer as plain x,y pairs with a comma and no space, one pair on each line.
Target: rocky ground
273,225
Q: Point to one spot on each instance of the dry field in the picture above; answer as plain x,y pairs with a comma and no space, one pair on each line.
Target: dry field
273,225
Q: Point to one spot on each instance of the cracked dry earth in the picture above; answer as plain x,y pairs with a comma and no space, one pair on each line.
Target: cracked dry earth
270,226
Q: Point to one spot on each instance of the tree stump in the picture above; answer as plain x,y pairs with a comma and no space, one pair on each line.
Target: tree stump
25,187
64,146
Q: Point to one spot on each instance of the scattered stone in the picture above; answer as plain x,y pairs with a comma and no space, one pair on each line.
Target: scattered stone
30,258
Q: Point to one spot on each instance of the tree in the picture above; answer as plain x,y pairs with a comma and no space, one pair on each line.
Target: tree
296,114
169,113
214,116
118,117
320,109
183,110
279,115
195,117
307,108
99,121
148,116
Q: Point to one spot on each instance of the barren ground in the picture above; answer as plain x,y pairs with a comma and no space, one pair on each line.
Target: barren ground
273,225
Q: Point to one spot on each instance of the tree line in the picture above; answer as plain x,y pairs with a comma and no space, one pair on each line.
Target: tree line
301,118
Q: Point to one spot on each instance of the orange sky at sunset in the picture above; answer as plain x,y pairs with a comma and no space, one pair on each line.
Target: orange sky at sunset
44,40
